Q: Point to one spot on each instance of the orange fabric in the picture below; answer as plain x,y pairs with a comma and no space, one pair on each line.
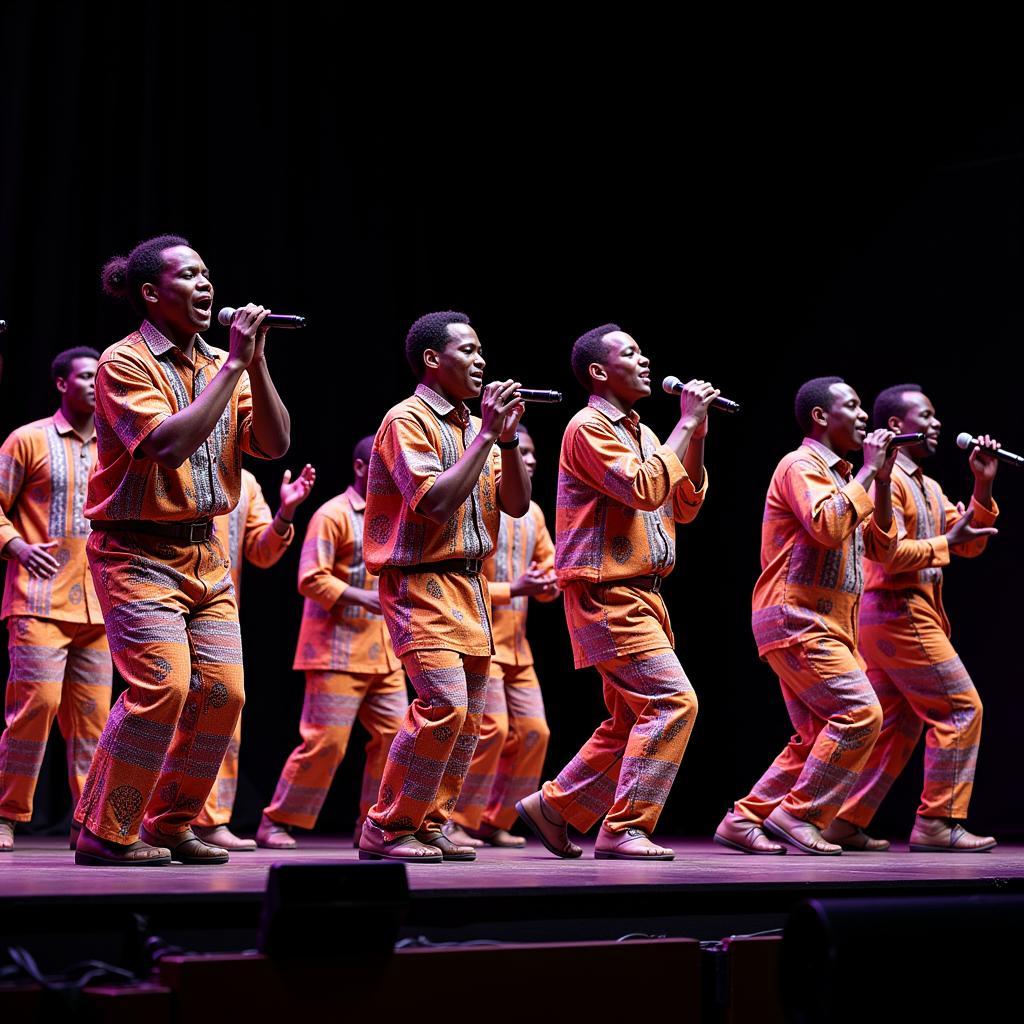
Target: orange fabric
59,670
620,494
334,700
339,637
44,476
817,527
142,380
520,542
419,439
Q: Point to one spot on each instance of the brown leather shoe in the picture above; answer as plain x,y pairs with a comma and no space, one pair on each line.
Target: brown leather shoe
6,835
632,844
186,847
943,835
373,845
449,850
740,833
97,852
853,837
272,835
501,838
547,825
461,836
801,834
222,836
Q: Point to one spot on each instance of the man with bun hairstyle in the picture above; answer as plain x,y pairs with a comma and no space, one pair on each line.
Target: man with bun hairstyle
351,668
436,488
620,494
819,523
60,662
173,417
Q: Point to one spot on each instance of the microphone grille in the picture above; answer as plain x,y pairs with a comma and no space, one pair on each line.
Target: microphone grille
964,441
670,384
225,315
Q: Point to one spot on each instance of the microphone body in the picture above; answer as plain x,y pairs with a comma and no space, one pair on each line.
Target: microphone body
965,441
536,395
674,386
903,440
280,320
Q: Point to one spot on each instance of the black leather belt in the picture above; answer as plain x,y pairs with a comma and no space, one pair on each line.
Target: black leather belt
652,584
198,532
465,566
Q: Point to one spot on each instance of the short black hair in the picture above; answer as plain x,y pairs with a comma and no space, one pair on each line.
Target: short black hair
61,365
891,402
430,331
810,395
363,449
590,348
123,276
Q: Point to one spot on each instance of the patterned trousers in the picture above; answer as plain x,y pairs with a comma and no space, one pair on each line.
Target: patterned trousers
58,670
172,624
334,700
626,769
921,685
509,758
432,752
221,802
837,719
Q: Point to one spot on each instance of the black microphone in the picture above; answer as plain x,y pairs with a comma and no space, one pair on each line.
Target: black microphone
674,386
965,441
293,323
534,395
902,440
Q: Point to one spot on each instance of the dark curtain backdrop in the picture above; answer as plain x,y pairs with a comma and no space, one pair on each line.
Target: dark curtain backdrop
743,231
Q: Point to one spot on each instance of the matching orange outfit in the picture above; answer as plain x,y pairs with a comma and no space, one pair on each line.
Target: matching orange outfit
351,668
817,528
514,733
250,535
60,662
904,639
169,603
439,620
620,494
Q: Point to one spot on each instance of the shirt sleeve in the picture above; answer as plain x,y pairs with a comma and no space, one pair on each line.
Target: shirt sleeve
687,499
15,455
543,551
829,515
243,418
410,457
129,400
262,544
328,539
600,458
983,516
910,555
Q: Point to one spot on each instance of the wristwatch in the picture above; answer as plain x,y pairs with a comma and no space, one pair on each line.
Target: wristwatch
509,445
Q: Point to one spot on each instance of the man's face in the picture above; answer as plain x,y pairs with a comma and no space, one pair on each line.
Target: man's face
847,421
79,387
526,450
919,417
459,366
183,293
627,370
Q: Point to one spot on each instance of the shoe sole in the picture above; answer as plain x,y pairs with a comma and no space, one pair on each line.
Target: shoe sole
746,849
94,860
924,848
781,833
369,855
609,855
538,832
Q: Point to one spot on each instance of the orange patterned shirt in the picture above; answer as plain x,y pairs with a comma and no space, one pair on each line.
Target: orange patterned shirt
141,380
44,475
337,637
816,530
419,439
249,530
620,494
520,542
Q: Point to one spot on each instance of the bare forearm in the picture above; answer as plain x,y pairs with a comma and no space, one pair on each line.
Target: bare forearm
681,439
454,485
693,462
983,493
271,424
515,488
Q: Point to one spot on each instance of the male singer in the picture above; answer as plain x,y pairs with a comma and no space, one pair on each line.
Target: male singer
435,492
620,494
904,638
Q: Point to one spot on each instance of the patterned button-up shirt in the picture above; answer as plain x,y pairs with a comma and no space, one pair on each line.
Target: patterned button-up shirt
338,637
817,528
620,494
520,542
44,474
142,380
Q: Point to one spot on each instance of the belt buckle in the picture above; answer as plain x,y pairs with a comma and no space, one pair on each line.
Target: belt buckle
656,585
469,567
198,533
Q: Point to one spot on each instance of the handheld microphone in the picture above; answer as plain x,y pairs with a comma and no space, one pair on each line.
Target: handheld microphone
674,386
965,441
225,316
3,326
535,395
902,440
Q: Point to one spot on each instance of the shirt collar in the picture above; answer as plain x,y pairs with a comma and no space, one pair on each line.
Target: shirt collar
441,406
832,459
160,345
64,428
907,464
355,499
613,412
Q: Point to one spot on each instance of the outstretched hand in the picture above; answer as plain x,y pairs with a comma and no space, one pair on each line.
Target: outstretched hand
295,492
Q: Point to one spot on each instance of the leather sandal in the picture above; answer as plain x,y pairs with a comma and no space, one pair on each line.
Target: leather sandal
740,833
407,848
187,847
532,810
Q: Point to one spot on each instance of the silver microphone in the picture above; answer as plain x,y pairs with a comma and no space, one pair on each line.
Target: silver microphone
965,441
226,315
674,386
535,395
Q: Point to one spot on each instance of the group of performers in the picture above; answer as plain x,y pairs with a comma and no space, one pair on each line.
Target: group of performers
126,517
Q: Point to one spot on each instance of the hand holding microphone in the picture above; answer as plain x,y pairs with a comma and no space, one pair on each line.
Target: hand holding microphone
695,398
985,450
674,386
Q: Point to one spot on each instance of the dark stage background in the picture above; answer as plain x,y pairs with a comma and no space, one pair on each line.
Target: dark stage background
756,235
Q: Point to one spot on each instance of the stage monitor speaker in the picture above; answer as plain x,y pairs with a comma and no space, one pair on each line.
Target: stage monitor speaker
327,911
